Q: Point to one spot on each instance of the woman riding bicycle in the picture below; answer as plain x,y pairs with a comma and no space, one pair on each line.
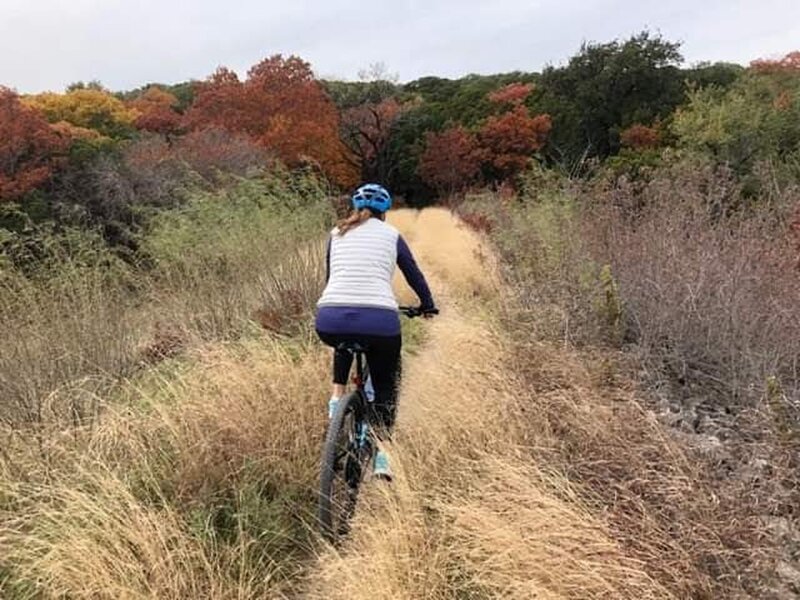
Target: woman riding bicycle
359,306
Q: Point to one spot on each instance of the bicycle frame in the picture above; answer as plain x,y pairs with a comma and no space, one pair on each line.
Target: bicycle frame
359,379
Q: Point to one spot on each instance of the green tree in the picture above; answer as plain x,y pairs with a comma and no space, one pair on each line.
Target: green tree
375,85
466,100
606,88
94,84
184,92
758,118
719,74
406,145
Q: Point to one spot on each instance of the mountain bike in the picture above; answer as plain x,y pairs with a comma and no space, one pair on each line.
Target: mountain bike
349,446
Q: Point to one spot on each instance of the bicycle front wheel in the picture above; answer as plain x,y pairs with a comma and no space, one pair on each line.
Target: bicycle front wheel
344,458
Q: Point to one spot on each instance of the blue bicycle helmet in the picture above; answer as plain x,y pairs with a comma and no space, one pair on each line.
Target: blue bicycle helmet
372,196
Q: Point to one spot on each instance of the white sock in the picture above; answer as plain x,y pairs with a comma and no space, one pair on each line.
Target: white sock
331,403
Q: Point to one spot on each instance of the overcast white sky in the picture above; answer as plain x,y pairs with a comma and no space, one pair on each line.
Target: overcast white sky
46,44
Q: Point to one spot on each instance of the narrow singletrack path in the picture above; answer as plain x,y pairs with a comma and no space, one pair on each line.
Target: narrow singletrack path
468,516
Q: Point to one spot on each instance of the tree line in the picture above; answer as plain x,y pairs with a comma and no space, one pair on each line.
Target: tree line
90,156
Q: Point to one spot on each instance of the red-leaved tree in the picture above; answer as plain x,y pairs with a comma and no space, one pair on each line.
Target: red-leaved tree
509,140
640,137
29,147
513,93
788,64
223,102
451,161
157,113
283,108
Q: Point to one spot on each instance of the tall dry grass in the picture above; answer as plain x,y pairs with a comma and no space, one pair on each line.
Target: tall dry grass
200,484
470,515
156,441
660,494
709,291
697,467
84,318
198,477
67,334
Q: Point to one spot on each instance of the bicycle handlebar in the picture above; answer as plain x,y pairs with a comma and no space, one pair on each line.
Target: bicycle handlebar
415,311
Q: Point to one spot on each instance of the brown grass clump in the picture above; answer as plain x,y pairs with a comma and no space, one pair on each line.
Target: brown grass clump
75,326
710,294
662,501
494,527
200,484
167,448
80,319
290,289
97,540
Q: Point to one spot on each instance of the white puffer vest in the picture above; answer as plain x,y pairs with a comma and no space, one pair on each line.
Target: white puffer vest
362,263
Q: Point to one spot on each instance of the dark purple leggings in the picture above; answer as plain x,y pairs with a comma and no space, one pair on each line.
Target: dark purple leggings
383,358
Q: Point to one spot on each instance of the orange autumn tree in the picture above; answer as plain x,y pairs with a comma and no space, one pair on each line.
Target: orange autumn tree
156,111
223,102
500,149
640,137
283,108
29,147
510,139
789,64
73,133
513,93
451,161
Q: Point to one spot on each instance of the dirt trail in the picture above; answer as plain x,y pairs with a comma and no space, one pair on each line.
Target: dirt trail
468,516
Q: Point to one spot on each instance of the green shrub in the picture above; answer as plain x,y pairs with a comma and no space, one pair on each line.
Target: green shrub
77,317
757,119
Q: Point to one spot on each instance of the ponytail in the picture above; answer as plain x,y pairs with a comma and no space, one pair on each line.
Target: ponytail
353,220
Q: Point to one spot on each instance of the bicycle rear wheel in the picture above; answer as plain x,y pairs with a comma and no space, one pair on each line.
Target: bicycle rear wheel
344,459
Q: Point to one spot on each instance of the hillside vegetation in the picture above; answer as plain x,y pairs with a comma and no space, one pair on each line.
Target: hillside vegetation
607,407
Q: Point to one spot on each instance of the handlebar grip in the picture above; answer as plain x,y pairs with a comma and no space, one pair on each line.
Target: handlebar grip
415,311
